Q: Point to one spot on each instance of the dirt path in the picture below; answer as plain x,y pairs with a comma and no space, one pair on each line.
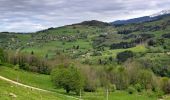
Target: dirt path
31,87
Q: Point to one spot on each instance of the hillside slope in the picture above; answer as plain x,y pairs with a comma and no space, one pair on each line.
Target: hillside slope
11,91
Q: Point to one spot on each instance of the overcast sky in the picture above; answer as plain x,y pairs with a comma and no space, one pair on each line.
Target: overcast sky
33,15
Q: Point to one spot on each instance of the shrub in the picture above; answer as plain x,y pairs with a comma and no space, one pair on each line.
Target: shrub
150,93
90,84
159,93
123,56
166,35
165,82
113,88
138,87
131,90
122,45
89,88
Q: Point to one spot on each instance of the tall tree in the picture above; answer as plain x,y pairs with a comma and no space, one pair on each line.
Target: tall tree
68,77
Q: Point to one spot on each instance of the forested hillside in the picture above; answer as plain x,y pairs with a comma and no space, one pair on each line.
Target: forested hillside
95,57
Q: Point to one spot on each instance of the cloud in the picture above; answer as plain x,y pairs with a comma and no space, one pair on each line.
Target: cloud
33,15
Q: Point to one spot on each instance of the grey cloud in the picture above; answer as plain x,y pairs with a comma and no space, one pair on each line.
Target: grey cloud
18,15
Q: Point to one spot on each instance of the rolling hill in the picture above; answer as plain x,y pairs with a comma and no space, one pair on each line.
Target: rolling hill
132,59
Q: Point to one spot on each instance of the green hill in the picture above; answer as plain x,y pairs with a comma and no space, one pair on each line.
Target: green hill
43,82
11,91
133,60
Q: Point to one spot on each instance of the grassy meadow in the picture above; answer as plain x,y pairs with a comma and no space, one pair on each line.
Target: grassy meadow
44,82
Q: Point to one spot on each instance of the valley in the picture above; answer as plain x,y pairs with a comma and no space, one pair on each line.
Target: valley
91,60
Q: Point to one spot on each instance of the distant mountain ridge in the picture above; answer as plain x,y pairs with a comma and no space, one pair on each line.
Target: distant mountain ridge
163,12
93,23
153,17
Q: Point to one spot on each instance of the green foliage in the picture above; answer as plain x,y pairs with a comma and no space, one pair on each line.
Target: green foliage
145,78
131,90
28,78
90,83
68,77
150,93
2,56
22,93
165,85
120,78
43,81
159,93
123,56
29,62
113,88
89,42
138,87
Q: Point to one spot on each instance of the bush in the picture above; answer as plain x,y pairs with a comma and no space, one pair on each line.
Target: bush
138,87
90,88
131,90
150,94
165,82
122,45
123,56
159,93
90,84
113,88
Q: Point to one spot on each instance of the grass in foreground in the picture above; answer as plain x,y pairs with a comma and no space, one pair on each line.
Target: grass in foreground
13,92
119,95
44,82
28,78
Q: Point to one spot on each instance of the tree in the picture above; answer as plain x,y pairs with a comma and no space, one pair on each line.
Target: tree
68,77
120,78
123,56
145,78
32,52
2,56
91,78
165,84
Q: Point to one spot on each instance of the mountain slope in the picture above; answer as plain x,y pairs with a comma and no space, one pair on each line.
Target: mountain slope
163,12
89,39
134,20
153,17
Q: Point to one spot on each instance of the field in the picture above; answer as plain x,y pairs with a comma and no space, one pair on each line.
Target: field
44,82
13,92
137,49
50,48
32,79
119,95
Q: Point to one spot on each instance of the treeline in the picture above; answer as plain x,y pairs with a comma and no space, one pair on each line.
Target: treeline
31,62
142,28
138,40
28,62
129,74
166,35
